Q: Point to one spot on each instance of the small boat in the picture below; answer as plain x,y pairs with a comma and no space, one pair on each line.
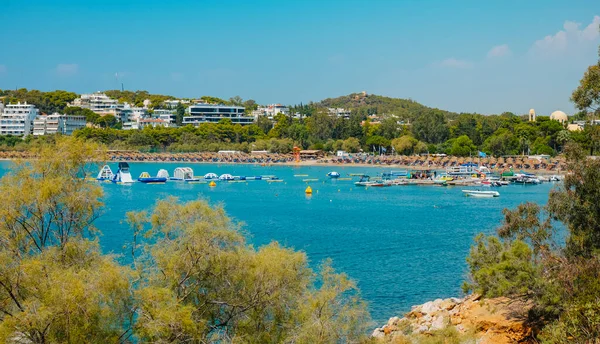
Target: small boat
226,177
367,182
481,194
443,179
211,176
105,174
147,179
364,180
333,175
123,176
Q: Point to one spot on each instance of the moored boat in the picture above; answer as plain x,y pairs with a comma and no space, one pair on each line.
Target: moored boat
481,194
367,182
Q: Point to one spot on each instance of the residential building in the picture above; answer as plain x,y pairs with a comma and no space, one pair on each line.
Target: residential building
140,123
131,113
17,119
72,123
339,112
98,102
57,123
172,103
210,113
271,111
167,115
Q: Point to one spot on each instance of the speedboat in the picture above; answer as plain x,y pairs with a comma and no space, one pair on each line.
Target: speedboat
333,175
367,182
364,181
147,179
105,174
481,194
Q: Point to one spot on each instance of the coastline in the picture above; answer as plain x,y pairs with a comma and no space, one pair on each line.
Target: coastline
414,163
310,163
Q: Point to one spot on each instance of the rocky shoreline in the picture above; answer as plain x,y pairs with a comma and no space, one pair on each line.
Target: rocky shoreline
467,320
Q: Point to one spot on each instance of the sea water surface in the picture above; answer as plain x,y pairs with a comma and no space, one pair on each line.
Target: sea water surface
403,245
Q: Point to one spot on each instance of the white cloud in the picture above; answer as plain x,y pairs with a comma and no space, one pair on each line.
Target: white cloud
499,51
570,38
455,63
66,69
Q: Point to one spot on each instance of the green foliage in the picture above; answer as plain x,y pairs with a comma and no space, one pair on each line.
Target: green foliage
351,145
364,105
46,102
194,277
587,95
405,145
55,286
463,146
430,127
499,268
90,116
528,259
200,282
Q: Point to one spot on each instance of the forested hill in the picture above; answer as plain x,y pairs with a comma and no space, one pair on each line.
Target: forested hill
366,104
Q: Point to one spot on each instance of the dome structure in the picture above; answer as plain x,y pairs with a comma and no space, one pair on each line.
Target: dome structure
531,115
559,116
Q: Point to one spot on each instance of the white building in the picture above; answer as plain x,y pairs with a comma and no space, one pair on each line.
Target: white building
172,103
210,113
140,123
57,123
271,111
17,119
167,115
98,102
339,112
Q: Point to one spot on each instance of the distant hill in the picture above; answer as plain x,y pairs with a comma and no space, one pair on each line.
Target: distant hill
367,104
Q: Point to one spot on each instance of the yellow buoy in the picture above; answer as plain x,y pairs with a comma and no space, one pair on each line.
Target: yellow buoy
308,190
212,184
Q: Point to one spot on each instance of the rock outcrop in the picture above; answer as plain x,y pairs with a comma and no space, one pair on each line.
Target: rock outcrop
499,320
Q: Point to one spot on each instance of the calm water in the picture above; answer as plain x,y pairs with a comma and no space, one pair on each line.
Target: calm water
404,245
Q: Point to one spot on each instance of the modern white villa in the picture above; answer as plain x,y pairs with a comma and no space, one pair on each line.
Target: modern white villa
98,102
210,113
17,119
57,123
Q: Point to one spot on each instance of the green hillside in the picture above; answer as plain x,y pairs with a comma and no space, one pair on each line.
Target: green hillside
367,104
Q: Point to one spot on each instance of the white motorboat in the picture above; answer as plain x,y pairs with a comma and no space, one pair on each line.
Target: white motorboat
481,194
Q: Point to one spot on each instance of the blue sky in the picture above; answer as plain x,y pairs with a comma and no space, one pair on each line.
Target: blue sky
471,56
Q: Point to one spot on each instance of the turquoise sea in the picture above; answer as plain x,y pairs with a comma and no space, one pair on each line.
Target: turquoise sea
404,245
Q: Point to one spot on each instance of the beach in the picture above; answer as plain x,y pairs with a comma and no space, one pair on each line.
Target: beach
419,163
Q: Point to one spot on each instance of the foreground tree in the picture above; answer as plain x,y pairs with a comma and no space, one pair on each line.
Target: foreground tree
201,282
528,258
55,286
